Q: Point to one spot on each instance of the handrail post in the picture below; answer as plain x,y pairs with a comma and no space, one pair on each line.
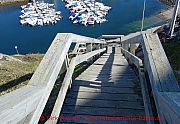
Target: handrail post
67,61
133,48
89,49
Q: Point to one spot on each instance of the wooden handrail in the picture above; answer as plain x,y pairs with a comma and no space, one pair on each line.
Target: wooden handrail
67,80
164,85
33,97
139,65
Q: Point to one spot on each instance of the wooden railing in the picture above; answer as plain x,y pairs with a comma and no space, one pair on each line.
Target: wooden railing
25,105
165,88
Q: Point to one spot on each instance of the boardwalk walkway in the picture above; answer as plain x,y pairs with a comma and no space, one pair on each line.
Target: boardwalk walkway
109,87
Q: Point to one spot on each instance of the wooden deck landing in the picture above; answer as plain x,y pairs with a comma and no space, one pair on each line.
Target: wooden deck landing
109,87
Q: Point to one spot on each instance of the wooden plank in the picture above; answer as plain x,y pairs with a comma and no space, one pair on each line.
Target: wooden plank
83,39
100,121
110,36
49,76
146,97
88,119
104,103
85,57
137,37
106,78
102,111
26,119
163,68
132,38
149,65
18,104
105,89
125,84
170,106
153,77
75,50
62,93
132,58
159,71
138,63
105,96
119,72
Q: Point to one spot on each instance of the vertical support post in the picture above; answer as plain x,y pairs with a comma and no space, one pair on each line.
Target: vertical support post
75,50
97,46
67,61
173,21
89,49
125,46
133,48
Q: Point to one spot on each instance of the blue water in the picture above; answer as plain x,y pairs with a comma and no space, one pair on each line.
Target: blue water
124,18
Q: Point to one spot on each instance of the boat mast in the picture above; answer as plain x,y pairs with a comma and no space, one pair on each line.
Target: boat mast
173,21
142,23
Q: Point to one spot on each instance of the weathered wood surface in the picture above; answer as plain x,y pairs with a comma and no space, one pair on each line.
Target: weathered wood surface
19,104
43,79
98,91
67,80
162,79
132,58
146,99
62,93
85,57
165,76
170,104
137,37
83,39
51,71
110,36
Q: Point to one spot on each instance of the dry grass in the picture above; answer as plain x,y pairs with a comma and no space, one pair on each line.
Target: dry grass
14,74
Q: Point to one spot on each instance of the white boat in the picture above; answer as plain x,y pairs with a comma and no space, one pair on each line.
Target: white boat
23,6
72,17
103,20
40,22
39,13
75,21
23,21
58,12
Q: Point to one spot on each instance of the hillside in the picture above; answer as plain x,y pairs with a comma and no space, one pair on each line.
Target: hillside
15,73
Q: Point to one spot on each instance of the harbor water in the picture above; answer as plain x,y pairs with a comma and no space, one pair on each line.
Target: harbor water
125,17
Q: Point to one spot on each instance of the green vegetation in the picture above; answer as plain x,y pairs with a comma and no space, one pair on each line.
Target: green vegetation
12,3
172,50
15,74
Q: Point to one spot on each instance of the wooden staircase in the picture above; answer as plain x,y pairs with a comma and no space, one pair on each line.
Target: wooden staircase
109,87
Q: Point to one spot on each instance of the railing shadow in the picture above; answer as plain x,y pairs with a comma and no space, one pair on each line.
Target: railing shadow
15,82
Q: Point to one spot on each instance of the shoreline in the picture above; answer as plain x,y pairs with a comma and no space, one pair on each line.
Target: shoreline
12,2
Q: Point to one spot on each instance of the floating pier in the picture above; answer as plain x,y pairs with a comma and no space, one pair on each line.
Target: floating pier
39,13
87,12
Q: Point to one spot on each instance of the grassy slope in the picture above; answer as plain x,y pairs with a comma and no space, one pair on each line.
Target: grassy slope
172,50
16,74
